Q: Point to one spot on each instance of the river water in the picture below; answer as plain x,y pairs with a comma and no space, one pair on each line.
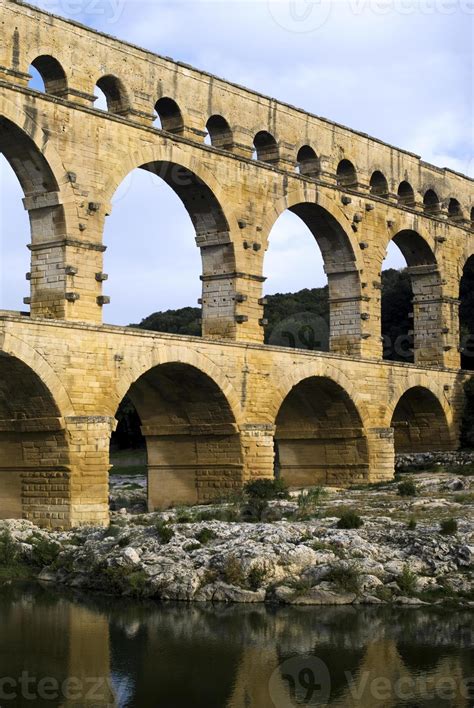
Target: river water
69,649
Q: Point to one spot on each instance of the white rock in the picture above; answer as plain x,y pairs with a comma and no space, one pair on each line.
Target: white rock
130,555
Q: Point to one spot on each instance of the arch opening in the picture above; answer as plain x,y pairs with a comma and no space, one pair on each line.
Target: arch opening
307,162
158,191
25,175
411,301
346,175
379,184
419,423
301,319
431,203
466,315
220,133
455,210
51,74
113,93
169,116
34,453
266,147
406,195
319,436
193,450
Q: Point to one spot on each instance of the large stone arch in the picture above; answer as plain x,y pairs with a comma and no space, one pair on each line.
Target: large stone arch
422,420
214,223
16,347
48,199
316,368
331,230
35,464
320,437
191,426
429,303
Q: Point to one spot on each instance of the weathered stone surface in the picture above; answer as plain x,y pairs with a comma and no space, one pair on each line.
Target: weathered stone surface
63,374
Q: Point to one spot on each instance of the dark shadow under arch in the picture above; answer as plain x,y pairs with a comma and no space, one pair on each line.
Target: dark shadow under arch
115,93
33,446
266,147
320,436
29,164
420,423
466,315
346,174
220,132
52,74
193,444
170,116
425,343
379,184
307,162
406,195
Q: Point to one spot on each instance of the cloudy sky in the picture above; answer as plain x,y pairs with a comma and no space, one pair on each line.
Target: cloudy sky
401,70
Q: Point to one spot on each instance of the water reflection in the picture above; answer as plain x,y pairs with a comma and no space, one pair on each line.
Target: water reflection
66,649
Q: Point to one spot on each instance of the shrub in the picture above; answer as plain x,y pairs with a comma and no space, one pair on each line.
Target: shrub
349,520
205,535
210,576
406,581
44,552
411,524
183,518
8,551
309,500
267,489
164,532
257,575
347,577
233,571
254,510
407,488
113,531
448,526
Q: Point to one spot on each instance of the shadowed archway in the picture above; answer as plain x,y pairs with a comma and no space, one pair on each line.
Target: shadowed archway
34,456
319,436
192,440
419,423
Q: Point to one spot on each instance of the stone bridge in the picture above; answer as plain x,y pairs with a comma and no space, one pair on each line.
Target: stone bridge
211,408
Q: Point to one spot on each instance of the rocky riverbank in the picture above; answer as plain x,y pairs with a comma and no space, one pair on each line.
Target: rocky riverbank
371,545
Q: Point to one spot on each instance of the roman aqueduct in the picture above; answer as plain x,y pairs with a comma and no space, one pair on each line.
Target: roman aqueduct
211,407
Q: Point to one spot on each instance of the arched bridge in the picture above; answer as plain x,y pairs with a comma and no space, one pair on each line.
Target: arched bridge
211,408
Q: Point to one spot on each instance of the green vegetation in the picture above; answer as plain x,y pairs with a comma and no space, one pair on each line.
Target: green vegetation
164,531
205,535
411,524
233,571
257,575
448,526
349,519
309,502
407,488
347,577
406,581
8,553
266,489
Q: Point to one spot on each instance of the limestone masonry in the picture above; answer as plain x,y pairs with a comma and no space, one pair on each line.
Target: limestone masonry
215,410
